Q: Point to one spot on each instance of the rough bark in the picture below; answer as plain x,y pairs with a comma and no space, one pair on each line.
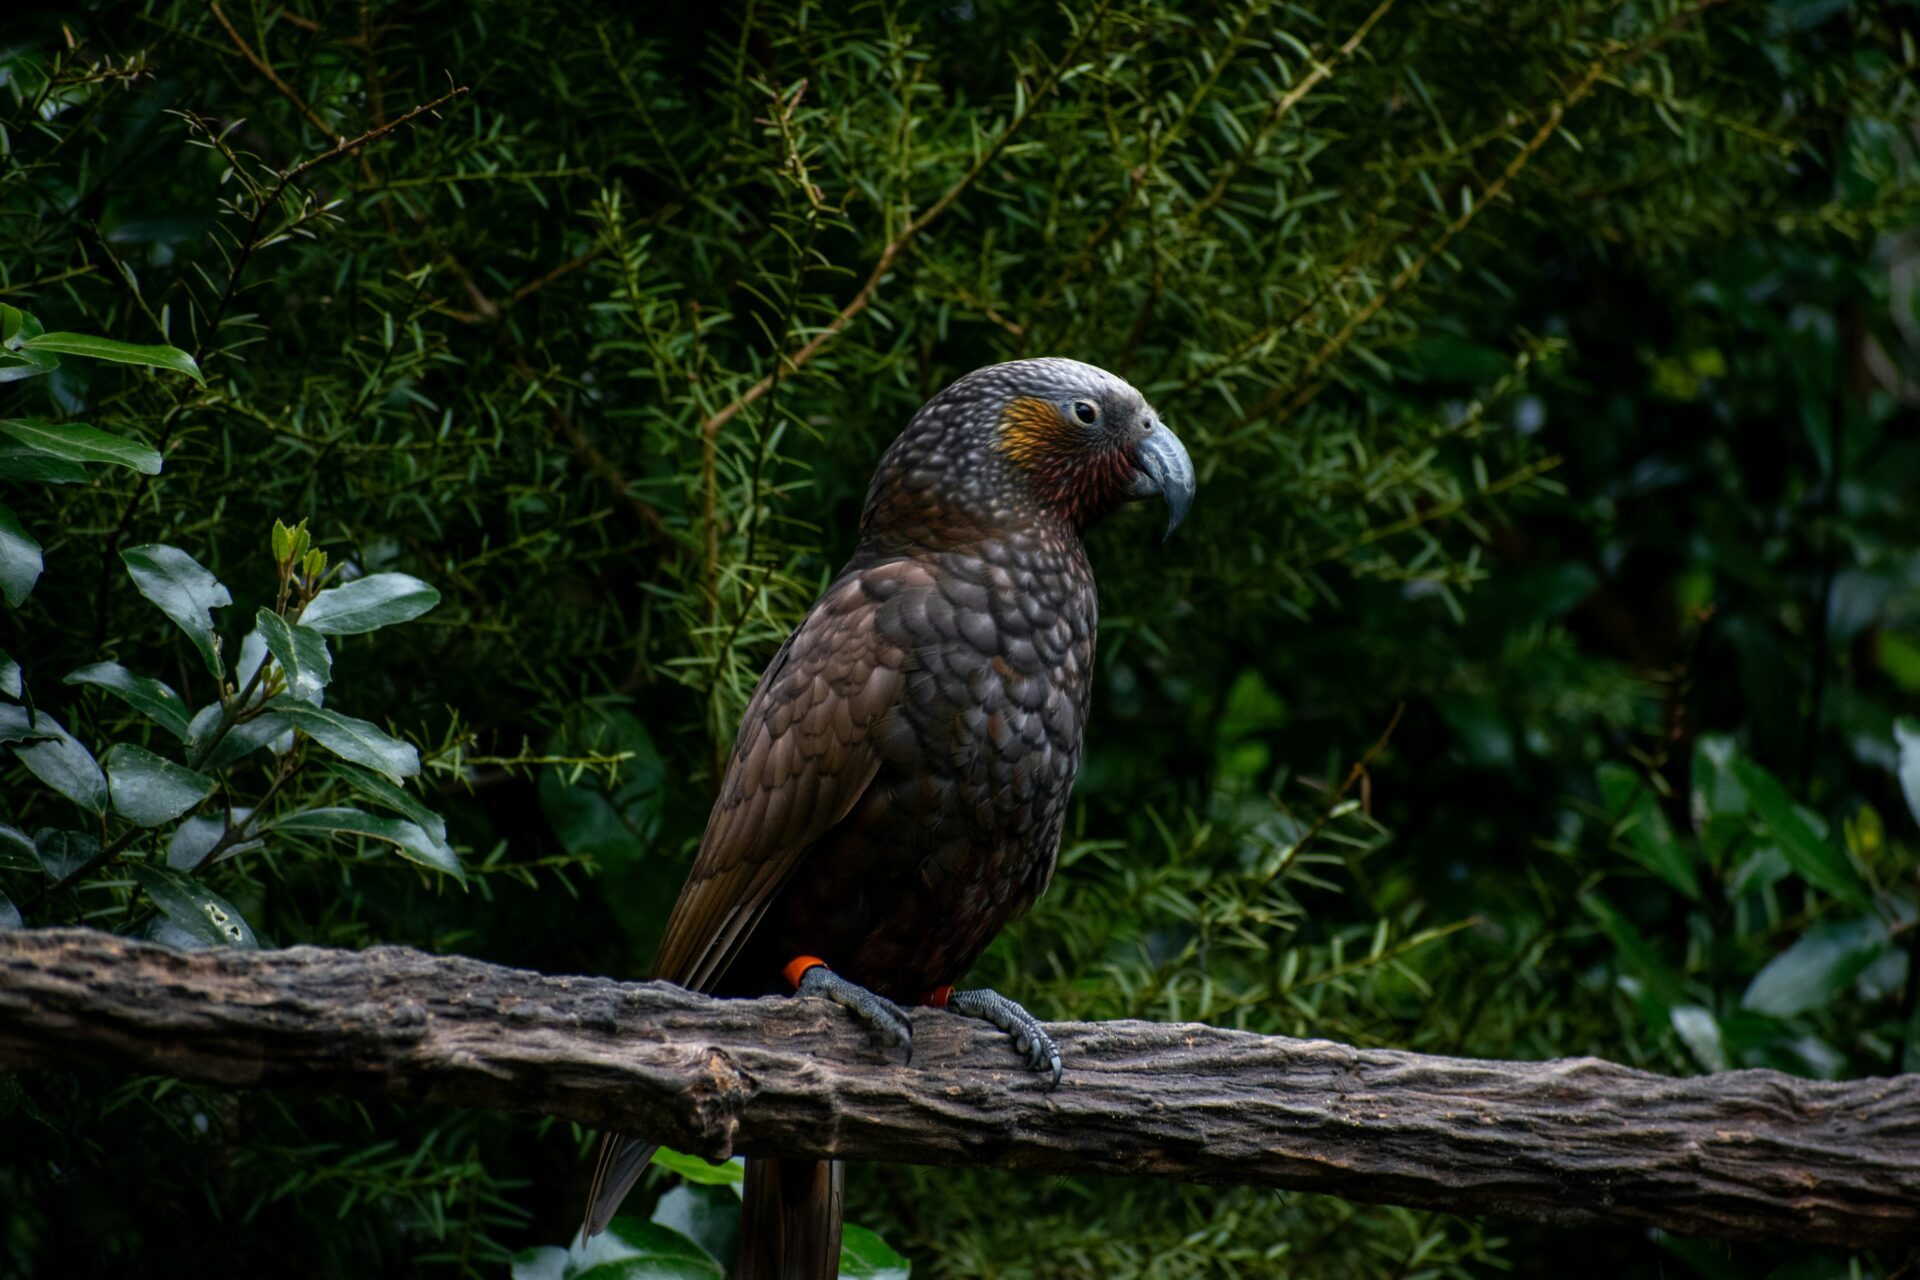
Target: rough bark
1742,1154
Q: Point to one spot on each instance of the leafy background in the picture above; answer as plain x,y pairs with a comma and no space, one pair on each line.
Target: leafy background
1528,681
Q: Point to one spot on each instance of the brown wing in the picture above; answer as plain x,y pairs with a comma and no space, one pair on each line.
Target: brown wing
803,759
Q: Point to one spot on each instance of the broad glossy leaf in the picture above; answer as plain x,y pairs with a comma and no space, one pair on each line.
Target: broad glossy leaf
85,344
148,789
352,739
301,652
185,592
630,1249
16,850
195,838
11,320
543,1262
1817,969
1646,836
10,917
18,462
865,1256
18,365
151,698
204,914
414,844
17,724
62,763
10,683
367,604
1819,862
728,1173
20,560
708,1216
240,741
389,795
78,442
1700,1032
63,853
1906,735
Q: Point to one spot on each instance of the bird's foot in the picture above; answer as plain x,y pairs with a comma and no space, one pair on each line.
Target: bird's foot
811,977
1029,1037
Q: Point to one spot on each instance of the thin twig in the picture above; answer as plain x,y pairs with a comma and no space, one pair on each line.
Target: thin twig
897,246
265,68
1285,398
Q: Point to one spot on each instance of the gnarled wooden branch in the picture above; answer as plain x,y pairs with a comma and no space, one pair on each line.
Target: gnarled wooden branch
1744,1154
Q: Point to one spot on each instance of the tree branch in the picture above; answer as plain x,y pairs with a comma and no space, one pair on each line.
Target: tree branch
1743,1154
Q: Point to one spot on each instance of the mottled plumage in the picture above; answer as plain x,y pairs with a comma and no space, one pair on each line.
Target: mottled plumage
901,775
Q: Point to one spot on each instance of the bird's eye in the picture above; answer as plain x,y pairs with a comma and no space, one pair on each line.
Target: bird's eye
1086,411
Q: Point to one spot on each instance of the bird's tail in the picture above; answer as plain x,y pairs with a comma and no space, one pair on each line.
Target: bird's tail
790,1220
623,1158
789,1212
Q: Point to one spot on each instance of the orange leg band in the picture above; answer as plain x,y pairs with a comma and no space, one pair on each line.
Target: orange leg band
797,969
937,998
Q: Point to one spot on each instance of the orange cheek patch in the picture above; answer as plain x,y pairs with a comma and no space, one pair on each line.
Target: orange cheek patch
1030,431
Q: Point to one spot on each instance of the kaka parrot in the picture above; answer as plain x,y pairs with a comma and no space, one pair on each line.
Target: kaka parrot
898,785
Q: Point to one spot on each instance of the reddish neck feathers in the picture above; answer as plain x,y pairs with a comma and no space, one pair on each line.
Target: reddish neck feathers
1075,476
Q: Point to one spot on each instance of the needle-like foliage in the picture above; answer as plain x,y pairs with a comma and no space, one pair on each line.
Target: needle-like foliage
1527,682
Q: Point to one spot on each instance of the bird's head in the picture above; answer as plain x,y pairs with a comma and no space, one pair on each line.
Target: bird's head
1053,439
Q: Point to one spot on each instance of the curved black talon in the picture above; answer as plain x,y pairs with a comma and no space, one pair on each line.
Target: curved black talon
1029,1036
880,1014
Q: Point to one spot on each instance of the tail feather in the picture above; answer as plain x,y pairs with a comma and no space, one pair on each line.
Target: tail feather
790,1220
623,1158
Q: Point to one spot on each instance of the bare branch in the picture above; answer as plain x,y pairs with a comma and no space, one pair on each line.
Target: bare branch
1746,1154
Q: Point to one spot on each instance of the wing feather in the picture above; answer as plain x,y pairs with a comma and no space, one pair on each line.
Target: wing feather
804,757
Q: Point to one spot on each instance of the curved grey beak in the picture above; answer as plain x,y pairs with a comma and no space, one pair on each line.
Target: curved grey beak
1161,466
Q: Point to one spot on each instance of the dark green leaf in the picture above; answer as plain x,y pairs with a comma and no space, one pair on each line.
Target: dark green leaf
11,318
301,652
10,917
10,683
728,1173
204,914
390,795
240,741
414,844
16,850
78,442
63,764
20,463
865,1256
543,1262
17,724
1700,1032
1817,969
708,1216
630,1249
149,789
149,697
1638,959
195,838
352,739
83,344
1819,862
367,604
20,561
63,853
17,365
185,592
1647,837
1906,736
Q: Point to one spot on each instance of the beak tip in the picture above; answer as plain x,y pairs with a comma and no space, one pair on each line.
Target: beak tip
1166,471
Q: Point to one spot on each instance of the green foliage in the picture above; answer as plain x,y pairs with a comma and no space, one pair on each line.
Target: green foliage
692,1235
1535,675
